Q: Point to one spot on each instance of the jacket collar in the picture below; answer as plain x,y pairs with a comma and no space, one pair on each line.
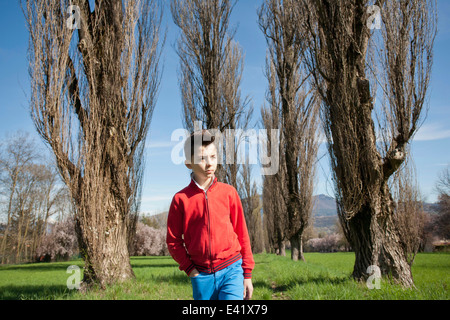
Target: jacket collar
195,184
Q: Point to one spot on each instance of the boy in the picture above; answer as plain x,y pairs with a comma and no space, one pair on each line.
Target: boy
206,230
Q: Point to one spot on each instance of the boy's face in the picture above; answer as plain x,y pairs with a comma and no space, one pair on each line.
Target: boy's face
204,162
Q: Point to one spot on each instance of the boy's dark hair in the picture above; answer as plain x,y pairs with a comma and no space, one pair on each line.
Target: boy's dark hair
203,137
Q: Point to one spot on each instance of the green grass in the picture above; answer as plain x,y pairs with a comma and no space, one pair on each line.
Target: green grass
328,276
322,276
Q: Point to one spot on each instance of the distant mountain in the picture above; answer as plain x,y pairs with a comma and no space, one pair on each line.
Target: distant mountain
324,212
158,220
324,206
431,208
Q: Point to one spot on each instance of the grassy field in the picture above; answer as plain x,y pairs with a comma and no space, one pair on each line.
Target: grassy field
322,276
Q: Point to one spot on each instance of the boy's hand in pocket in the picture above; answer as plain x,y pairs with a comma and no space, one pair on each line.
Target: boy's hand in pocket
194,273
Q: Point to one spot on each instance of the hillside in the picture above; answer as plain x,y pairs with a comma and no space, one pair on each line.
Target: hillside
324,206
324,213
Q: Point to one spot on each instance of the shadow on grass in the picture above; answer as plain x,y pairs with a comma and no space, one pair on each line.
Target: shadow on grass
276,288
35,292
152,261
173,279
39,267
152,265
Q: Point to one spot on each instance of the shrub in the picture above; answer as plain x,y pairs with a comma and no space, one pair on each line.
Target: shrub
330,243
60,244
149,241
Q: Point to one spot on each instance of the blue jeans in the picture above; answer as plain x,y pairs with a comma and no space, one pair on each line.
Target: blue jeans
225,284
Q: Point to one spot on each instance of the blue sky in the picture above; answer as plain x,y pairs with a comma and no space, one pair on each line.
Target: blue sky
430,148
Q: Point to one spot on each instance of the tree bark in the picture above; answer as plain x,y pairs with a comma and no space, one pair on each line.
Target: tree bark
281,248
297,247
375,239
104,215
105,254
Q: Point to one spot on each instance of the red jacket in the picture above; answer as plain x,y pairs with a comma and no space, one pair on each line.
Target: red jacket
207,230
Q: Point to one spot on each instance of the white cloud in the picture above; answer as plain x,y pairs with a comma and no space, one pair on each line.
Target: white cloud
161,144
430,132
155,204
156,198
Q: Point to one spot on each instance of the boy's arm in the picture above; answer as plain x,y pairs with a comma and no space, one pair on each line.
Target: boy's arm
240,228
174,238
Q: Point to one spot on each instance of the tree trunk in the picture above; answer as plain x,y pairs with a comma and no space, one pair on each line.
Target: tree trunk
105,251
281,248
297,247
105,217
8,220
393,261
376,242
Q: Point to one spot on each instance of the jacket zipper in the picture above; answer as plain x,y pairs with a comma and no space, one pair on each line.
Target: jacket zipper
209,232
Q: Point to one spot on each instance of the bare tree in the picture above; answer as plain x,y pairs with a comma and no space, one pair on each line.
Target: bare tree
298,109
410,217
94,79
443,183
25,201
442,221
274,206
274,215
29,188
17,153
251,205
343,62
211,65
50,198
